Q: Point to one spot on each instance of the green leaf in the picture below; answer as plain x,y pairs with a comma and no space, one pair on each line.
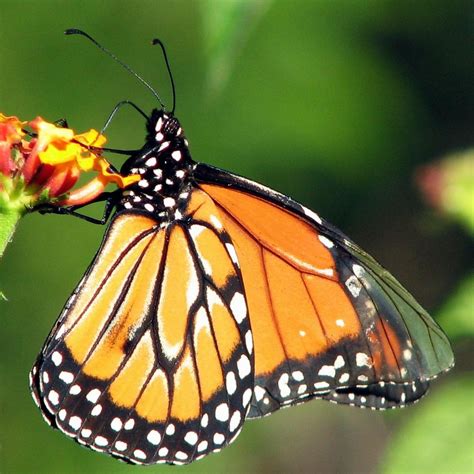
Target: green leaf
458,198
456,315
439,438
227,25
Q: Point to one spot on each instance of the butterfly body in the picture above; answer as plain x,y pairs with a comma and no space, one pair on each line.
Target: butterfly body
214,299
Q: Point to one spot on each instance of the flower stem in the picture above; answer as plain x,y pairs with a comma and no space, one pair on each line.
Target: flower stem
8,221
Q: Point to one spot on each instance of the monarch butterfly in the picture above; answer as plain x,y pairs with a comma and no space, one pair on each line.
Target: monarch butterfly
214,299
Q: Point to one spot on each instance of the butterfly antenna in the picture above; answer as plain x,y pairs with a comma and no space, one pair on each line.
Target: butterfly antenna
163,49
75,31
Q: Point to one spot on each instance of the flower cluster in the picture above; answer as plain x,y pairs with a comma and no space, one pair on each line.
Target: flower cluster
43,166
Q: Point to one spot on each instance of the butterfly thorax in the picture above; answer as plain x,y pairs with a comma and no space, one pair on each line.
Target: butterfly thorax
164,165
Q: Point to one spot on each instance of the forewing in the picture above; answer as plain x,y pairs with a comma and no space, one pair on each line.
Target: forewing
328,321
148,361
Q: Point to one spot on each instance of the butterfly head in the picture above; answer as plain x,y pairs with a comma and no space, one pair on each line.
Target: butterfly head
163,127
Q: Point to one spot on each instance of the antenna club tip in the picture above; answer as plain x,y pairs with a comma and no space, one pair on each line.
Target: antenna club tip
156,41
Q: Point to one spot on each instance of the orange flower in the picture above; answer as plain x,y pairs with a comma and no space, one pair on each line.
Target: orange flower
44,169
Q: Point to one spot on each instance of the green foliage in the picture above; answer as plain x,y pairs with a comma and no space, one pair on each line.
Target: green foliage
440,438
457,314
458,197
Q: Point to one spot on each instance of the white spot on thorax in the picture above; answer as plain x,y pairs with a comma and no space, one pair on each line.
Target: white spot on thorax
159,124
163,146
169,202
151,161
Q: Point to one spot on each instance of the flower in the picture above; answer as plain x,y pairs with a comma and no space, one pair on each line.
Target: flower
42,167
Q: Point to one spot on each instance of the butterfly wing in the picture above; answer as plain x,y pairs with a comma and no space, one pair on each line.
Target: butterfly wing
328,321
151,359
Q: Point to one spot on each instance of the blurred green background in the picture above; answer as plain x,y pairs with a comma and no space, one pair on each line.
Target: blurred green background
335,103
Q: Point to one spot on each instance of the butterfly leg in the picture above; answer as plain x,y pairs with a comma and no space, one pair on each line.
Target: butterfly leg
109,199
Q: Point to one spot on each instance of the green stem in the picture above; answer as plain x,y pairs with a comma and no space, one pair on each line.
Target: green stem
8,220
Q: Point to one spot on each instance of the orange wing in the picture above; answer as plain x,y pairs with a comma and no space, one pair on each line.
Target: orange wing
327,320
152,358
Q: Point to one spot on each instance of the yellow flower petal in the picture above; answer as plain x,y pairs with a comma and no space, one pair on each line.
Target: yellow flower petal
92,137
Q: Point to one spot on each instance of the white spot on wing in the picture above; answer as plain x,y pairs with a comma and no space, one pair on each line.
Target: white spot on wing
235,421
238,307
232,253
363,359
230,383
191,438
93,395
327,370
312,215
326,242
222,412
116,424
243,366
354,286
66,377
57,358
